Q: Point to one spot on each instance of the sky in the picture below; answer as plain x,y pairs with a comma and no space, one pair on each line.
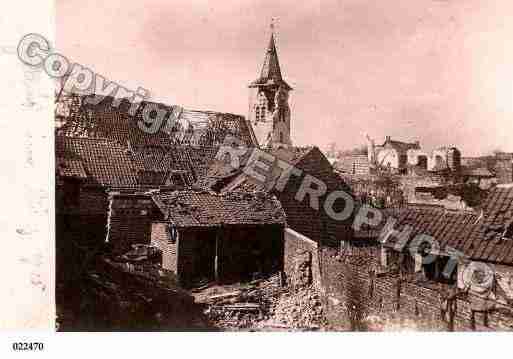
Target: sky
437,71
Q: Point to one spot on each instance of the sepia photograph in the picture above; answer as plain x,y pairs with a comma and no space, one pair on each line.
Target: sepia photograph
339,166
324,170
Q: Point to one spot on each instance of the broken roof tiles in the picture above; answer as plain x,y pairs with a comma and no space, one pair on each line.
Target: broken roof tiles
201,208
111,118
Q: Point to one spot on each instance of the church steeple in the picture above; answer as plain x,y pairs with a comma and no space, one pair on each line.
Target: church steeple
269,111
270,74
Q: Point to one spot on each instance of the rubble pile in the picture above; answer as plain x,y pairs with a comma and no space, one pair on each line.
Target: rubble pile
300,309
241,305
262,305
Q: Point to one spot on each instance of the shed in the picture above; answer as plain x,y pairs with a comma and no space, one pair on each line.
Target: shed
223,237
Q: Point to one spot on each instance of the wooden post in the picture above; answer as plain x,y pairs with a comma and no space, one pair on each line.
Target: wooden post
217,254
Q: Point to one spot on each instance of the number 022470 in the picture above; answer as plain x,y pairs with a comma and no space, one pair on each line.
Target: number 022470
26,346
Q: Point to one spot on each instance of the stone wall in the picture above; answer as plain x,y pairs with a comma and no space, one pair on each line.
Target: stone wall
301,260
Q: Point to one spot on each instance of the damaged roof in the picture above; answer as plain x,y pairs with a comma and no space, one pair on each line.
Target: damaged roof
102,160
108,117
200,208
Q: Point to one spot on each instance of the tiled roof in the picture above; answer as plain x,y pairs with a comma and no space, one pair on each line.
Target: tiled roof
200,128
103,120
498,211
98,161
163,152
164,160
220,172
202,158
211,127
151,164
72,168
297,157
191,161
291,155
193,208
479,236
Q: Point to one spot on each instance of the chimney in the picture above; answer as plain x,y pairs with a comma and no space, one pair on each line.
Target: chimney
387,138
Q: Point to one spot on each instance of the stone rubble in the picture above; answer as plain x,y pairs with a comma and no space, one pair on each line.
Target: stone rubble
263,305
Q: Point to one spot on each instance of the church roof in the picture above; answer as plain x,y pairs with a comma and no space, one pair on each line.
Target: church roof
270,75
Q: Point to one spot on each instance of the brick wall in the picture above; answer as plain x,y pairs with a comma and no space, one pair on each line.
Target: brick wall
357,279
160,239
93,201
315,223
129,220
85,219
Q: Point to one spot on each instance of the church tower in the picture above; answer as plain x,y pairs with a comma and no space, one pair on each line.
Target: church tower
269,111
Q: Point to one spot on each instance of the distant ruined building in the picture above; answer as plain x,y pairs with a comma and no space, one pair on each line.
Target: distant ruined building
403,157
269,111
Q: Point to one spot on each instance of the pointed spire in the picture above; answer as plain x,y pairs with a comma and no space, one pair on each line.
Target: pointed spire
271,71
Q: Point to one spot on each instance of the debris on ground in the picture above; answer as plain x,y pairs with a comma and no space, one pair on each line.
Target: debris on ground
300,309
263,304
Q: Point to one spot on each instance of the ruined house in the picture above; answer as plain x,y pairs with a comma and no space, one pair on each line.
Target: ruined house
392,154
102,145
408,158
207,236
